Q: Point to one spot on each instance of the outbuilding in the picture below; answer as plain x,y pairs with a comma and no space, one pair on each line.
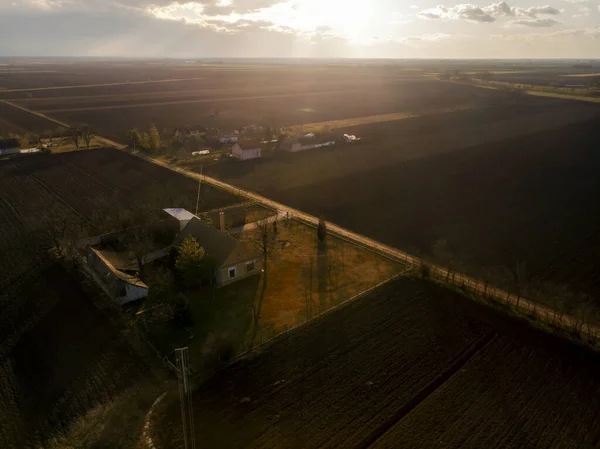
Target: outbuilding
9,146
245,150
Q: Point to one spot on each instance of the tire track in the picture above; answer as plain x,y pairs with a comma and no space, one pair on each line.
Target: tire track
202,100
460,361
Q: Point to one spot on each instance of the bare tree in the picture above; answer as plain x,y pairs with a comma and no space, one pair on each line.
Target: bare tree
87,134
75,134
263,238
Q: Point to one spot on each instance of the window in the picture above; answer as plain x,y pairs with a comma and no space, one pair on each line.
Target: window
249,267
232,273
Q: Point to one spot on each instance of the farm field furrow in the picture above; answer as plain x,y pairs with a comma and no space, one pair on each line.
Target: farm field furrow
292,402
501,398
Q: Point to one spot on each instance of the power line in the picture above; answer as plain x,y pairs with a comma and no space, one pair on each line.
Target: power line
185,396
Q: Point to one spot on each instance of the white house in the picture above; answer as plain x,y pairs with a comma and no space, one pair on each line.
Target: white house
246,150
9,146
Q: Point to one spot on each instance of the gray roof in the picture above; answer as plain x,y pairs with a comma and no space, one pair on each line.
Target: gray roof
130,279
219,246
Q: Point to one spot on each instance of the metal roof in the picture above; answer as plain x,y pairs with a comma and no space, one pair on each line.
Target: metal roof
179,213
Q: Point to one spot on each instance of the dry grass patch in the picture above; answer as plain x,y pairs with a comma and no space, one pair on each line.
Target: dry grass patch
304,281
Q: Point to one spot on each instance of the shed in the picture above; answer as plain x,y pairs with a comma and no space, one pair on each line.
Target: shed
123,286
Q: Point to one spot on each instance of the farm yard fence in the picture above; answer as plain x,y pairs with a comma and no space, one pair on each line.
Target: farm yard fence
438,273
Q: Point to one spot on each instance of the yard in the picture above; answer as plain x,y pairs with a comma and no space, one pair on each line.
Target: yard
302,282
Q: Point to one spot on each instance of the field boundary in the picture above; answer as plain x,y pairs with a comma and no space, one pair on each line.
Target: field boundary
33,89
100,139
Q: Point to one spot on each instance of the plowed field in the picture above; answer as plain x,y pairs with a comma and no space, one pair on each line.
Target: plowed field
411,365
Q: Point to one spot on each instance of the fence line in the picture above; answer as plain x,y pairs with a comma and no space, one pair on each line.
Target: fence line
482,289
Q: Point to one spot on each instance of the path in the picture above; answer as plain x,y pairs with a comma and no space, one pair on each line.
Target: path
127,83
436,271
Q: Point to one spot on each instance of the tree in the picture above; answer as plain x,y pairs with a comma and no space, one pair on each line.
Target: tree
191,261
134,137
87,134
322,230
75,134
153,138
32,138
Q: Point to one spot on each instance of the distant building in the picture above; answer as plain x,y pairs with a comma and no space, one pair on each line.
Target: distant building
250,149
232,259
9,146
228,139
307,142
196,131
117,274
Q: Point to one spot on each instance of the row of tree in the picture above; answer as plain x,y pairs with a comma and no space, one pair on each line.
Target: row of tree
145,140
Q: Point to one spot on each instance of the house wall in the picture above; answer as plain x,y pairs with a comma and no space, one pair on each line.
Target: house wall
244,155
132,293
241,271
10,151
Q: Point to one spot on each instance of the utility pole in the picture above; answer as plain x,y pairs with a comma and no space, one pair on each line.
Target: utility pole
199,188
185,396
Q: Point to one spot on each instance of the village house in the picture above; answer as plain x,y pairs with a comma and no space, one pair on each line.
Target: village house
184,133
231,259
9,146
249,149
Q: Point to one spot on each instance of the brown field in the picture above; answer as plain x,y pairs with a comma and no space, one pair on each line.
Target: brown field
476,179
411,365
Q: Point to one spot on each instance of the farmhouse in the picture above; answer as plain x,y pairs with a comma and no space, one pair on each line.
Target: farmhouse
307,142
117,274
9,146
249,149
232,259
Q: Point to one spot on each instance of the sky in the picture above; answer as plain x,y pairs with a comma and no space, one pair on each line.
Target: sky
300,28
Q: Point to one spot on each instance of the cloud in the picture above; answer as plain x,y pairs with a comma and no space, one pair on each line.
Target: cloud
537,23
486,14
471,13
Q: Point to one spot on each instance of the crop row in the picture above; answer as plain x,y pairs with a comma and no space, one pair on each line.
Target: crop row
509,396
